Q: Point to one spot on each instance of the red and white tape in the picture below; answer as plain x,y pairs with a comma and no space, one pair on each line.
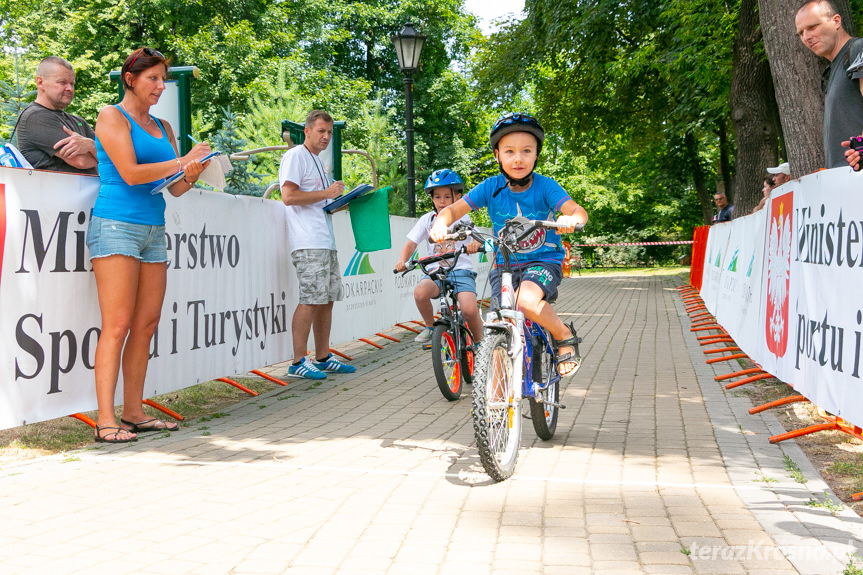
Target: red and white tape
634,244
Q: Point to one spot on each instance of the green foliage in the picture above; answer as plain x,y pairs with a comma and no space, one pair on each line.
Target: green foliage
241,180
15,96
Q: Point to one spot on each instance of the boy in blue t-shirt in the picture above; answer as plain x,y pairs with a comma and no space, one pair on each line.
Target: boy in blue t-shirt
516,140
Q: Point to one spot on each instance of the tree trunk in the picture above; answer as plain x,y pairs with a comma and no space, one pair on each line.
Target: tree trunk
797,83
752,109
844,9
724,161
705,196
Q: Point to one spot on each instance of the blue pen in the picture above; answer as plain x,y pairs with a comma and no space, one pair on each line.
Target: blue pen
193,139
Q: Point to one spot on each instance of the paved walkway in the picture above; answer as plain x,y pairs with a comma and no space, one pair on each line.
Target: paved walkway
653,470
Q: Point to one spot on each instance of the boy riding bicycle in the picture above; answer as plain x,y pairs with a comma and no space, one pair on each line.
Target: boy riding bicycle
516,140
445,187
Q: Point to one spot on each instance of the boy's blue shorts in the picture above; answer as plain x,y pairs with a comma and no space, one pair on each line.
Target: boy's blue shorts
462,280
547,275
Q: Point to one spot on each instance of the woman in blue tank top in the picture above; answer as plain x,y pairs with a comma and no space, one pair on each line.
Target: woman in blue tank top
126,237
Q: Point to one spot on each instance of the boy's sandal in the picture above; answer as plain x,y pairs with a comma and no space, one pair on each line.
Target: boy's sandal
114,436
569,362
154,424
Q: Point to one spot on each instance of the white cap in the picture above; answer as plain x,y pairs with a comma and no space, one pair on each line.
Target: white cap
780,169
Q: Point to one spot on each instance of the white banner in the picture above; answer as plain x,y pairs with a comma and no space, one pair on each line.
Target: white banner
802,322
228,307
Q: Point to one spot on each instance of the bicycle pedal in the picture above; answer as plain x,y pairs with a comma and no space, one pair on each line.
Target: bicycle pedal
551,403
426,346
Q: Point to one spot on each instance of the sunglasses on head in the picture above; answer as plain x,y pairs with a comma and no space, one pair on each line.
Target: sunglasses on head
148,52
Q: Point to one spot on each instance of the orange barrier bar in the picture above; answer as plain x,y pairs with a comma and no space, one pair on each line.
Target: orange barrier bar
84,418
712,335
692,308
802,432
371,343
734,384
777,403
834,424
701,315
701,322
340,354
385,336
721,349
419,323
268,377
738,373
403,326
857,496
707,328
727,357
163,409
722,339
239,386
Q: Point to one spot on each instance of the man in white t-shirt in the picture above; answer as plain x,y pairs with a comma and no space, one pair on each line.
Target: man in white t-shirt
306,189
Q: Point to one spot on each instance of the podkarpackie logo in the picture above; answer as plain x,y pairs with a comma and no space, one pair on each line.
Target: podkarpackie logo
359,265
778,273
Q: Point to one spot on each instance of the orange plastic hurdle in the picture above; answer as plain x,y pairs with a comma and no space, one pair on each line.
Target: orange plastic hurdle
834,423
239,386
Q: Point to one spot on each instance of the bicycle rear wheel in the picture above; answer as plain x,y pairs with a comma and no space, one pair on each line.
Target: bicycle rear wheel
496,415
447,369
543,415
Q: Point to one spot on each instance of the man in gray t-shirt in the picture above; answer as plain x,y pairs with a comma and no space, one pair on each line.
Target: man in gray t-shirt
820,28
46,135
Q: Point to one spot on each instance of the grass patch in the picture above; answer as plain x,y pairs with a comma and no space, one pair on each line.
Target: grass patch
794,470
66,434
832,506
637,271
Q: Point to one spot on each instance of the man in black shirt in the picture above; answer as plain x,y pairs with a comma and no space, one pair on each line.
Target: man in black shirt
46,135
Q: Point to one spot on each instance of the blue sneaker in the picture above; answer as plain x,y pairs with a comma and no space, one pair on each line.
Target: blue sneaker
306,370
333,365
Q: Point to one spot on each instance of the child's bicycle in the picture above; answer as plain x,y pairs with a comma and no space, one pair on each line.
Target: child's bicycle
515,360
451,341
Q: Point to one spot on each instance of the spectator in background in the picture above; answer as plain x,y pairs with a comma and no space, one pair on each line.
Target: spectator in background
47,136
769,184
726,210
819,26
781,174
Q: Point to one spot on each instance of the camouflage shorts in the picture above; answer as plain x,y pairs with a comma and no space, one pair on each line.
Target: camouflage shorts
318,276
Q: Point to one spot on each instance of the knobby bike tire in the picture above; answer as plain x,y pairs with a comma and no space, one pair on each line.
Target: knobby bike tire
496,416
447,368
544,416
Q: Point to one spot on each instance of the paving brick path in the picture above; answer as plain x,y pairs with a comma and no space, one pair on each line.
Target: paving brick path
652,471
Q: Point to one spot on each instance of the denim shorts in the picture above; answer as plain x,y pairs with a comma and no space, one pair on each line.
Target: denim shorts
547,275
115,238
461,280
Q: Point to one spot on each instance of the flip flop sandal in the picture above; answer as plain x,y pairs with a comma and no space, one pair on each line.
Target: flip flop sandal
113,437
154,424
569,357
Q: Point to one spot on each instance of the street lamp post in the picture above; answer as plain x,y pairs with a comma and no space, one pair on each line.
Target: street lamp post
409,45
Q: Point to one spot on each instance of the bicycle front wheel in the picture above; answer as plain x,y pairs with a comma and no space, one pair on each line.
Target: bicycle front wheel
496,413
447,369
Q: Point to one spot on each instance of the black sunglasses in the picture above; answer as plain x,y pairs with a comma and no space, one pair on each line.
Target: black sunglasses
147,51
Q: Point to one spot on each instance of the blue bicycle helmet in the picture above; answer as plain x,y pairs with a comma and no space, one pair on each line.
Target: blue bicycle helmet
516,122
444,178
